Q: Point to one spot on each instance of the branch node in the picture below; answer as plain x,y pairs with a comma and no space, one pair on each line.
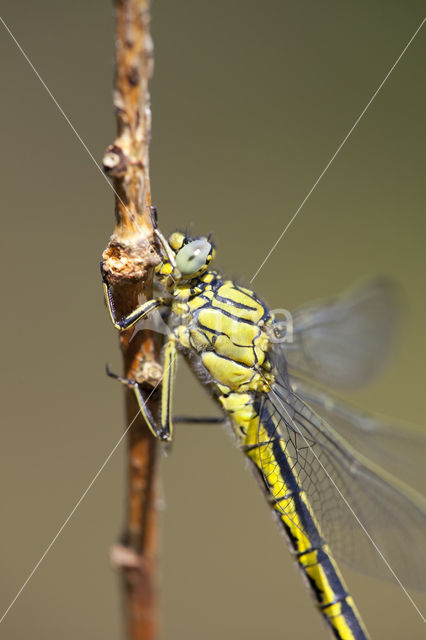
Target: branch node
127,260
115,161
121,557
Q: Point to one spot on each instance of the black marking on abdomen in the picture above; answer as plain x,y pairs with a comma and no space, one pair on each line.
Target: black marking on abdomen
308,523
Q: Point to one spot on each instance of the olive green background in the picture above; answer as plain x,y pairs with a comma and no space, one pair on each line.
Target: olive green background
250,100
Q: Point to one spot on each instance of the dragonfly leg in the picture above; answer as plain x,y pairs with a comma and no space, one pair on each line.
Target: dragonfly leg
169,369
141,312
199,419
144,409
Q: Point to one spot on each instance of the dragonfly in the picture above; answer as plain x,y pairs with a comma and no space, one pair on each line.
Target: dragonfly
315,457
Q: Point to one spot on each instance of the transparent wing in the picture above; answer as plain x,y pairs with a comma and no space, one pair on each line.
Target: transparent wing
344,342
362,511
400,448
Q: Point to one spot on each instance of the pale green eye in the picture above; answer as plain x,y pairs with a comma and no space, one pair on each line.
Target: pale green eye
193,256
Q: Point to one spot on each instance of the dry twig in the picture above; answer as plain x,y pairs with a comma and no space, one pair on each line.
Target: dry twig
129,261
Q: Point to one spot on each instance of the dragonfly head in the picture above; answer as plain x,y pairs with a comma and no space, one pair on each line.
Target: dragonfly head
185,258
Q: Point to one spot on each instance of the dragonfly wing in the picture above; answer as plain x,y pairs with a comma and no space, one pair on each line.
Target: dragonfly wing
344,342
368,519
398,447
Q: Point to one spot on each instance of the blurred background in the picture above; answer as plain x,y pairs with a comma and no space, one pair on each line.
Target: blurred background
250,100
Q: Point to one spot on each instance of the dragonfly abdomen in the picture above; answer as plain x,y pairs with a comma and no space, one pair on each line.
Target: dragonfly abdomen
257,434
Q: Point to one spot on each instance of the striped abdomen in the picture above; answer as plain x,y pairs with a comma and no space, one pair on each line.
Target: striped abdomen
266,450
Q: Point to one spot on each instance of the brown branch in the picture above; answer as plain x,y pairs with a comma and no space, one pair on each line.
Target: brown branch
129,261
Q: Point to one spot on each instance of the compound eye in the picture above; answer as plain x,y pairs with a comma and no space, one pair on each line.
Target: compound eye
193,256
